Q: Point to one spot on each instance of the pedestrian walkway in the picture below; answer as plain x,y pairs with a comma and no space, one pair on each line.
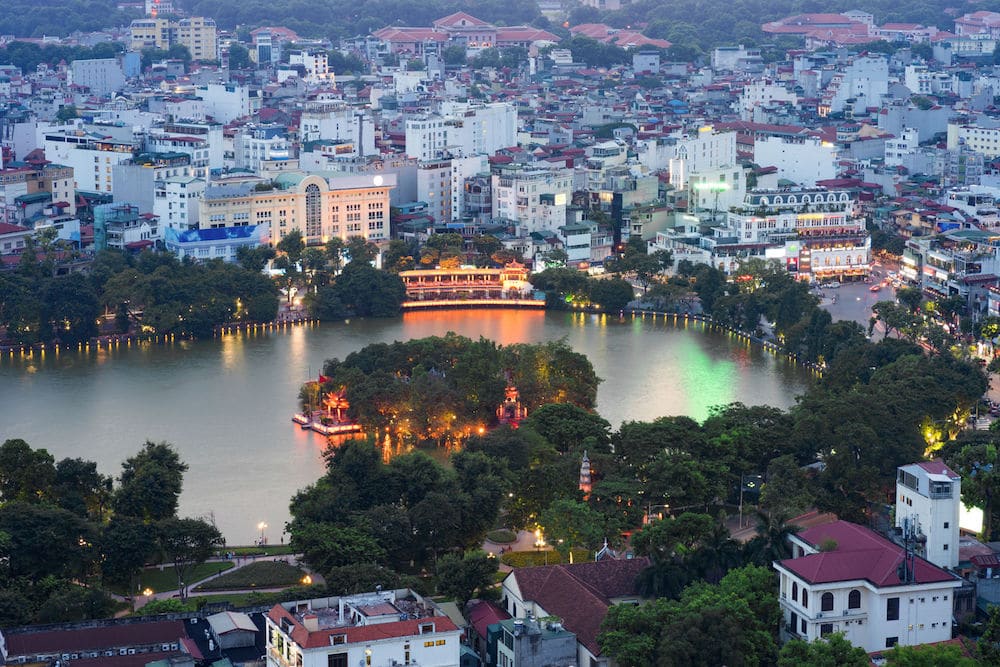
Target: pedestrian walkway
238,562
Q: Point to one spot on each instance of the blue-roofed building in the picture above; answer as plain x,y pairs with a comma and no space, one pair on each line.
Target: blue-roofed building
220,243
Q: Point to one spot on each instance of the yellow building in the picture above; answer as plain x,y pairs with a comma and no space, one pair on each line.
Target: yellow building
150,33
321,208
197,33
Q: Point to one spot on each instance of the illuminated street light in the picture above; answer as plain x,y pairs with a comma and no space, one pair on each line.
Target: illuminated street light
147,591
261,527
307,580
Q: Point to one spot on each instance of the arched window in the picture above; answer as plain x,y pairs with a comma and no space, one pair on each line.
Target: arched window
778,200
805,598
795,590
854,599
826,602
314,210
792,199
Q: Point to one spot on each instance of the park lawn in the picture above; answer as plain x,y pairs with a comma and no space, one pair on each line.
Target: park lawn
501,536
533,558
167,579
265,574
268,550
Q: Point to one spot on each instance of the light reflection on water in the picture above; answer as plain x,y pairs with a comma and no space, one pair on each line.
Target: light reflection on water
226,404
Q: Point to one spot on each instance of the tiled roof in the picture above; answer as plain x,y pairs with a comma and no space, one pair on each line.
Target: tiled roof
486,613
938,467
95,639
453,20
860,555
359,633
6,228
580,594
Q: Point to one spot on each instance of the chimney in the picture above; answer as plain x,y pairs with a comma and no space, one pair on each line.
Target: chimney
311,622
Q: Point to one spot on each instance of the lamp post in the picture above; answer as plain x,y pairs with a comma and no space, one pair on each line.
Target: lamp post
261,527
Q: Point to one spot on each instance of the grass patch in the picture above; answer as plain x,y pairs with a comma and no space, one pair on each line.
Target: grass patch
501,536
265,574
533,558
268,550
167,579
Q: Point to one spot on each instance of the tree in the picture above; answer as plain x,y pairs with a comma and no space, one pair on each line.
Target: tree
254,258
150,483
786,489
239,56
988,648
611,295
71,602
126,544
771,542
978,463
45,541
567,426
454,55
929,655
325,546
460,577
66,112
26,474
165,606
832,651
569,523
79,488
187,543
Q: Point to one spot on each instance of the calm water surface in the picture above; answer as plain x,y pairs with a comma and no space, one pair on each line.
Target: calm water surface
226,404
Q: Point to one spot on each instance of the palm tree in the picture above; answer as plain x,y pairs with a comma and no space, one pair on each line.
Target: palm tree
772,540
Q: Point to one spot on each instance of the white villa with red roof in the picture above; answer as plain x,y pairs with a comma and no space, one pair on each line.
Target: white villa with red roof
460,29
377,629
846,578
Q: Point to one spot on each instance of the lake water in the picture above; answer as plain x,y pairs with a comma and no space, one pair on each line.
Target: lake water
226,404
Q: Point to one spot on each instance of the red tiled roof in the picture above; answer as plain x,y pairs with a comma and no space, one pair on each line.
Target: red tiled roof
95,639
580,594
359,633
938,467
860,554
6,228
484,614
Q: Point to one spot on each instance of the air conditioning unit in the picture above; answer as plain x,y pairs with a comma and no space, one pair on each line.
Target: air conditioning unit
108,654
122,651
193,621
173,647
165,647
65,656
131,651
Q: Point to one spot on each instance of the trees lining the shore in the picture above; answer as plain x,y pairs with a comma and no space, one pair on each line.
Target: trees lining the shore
63,522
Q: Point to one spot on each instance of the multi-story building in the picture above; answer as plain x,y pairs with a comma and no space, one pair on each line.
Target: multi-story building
201,141
352,130
54,179
102,76
377,629
928,501
151,33
802,160
135,181
92,153
462,129
434,188
526,643
225,102
533,198
121,225
254,145
199,35
320,208
314,62
983,137
176,202
846,578
959,262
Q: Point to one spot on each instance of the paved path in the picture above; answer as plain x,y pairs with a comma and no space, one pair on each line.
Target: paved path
238,562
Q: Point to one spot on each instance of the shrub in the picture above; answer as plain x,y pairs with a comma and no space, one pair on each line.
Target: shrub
501,536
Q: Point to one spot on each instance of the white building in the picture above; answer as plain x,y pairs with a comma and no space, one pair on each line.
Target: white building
918,79
899,148
803,160
377,629
225,102
434,188
519,194
314,63
336,122
928,500
462,129
846,578
102,76
762,93
705,155
865,80
176,202
253,146
202,141
92,155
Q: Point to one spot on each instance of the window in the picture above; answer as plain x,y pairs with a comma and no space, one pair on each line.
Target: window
805,598
891,641
826,602
892,610
946,547
428,644
854,599
826,629
946,524
336,660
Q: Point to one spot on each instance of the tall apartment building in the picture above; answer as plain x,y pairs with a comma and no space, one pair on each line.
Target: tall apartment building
197,33
982,137
103,76
54,179
803,160
533,198
320,208
337,122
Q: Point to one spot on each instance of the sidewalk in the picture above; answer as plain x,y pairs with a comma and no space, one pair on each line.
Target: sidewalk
238,562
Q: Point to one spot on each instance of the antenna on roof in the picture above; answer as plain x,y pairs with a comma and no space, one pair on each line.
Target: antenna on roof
905,568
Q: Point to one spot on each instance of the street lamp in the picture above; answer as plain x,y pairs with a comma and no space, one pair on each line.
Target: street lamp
261,527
